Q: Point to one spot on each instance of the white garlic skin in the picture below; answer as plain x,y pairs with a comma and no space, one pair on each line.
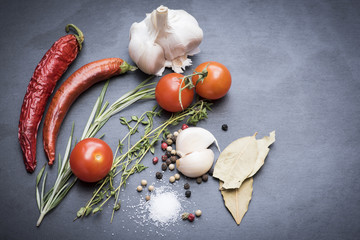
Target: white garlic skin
165,38
195,164
192,139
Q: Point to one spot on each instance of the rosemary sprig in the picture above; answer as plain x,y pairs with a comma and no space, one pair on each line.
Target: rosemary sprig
98,117
130,162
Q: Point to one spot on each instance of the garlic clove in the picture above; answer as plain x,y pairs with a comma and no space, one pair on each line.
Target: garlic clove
195,164
193,139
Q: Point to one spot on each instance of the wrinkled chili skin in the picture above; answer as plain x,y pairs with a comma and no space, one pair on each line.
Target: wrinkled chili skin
77,83
49,70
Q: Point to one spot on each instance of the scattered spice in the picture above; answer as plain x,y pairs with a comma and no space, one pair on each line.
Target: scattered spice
184,126
177,176
173,159
185,216
211,171
169,148
169,136
204,177
224,127
199,180
173,152
176,134
198,213
155,160
147,198
143,182
164,146
151,188
186,186
171,167
164,157
191,217
168,161
172,179
164,166
139,188
159,175
187,193
169,141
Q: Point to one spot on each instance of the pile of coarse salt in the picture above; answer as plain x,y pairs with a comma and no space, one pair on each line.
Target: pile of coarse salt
164,206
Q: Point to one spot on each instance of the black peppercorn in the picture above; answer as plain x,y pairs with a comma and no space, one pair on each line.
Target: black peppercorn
168,154
224,127
204,177
187,193
159,175
164,166
173,159
168,161
199,180
211,171
186,186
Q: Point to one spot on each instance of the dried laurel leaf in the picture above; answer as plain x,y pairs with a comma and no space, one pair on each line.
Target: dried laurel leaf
263,149
236,162
237,200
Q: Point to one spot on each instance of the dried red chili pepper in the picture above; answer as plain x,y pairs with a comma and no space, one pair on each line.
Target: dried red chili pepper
77,83
49,70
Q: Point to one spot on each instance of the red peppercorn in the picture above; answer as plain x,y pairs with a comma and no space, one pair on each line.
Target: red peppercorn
164,146
164,158
184,126
191,217
155,160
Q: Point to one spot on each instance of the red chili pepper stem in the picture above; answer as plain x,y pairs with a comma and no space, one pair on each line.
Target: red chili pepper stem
127,67
79,34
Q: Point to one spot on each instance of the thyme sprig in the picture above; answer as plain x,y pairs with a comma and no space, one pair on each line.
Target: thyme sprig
129,162
99,116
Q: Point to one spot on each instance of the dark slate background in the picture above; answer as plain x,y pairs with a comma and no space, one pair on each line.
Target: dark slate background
295,69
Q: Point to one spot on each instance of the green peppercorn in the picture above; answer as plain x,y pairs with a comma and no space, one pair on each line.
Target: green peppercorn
186,186
188,193
204,177
159,175
199,180
164,166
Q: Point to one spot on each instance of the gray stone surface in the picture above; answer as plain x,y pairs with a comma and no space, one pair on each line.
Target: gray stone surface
295,69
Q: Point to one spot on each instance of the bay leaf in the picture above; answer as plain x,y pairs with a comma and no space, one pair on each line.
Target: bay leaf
236,162
237,200
263,150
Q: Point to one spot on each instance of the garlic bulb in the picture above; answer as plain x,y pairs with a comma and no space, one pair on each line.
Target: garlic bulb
196,164
165,38
192,139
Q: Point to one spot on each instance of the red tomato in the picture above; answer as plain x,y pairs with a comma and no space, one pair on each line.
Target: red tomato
216,84
167,93
91,159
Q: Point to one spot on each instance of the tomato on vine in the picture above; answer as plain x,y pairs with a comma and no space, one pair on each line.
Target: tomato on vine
171,93
91,159
215,81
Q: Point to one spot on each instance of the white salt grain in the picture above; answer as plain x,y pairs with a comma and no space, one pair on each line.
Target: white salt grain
164,207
